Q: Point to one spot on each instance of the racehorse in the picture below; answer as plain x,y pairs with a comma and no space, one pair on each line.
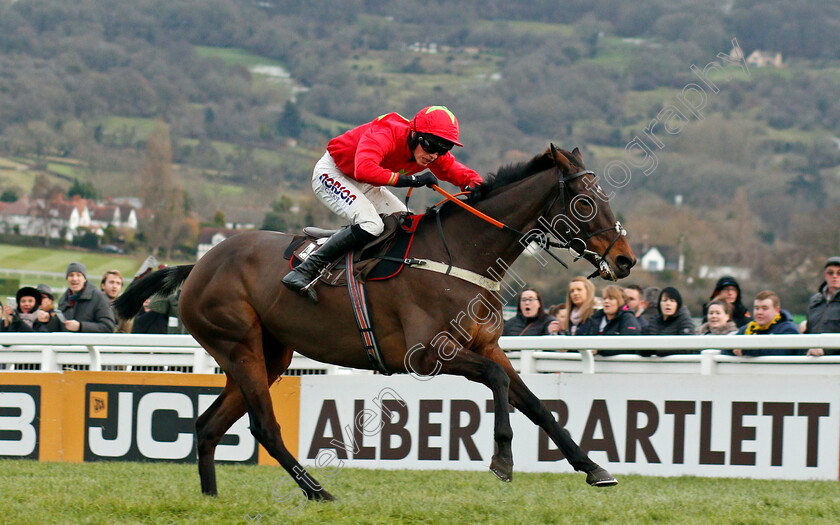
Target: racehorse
234,305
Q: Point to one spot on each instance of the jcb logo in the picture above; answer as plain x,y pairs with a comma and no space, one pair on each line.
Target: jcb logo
141,422
20,421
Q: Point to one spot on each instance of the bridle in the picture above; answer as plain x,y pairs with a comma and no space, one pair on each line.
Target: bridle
545,240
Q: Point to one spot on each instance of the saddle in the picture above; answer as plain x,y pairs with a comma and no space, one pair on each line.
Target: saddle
380,259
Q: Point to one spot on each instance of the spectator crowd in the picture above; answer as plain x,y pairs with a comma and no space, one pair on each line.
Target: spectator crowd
84,307
632,310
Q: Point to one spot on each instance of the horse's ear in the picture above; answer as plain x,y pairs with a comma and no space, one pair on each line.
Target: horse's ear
576,154
559,157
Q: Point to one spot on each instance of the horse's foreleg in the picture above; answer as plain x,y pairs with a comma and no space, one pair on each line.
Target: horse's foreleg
482,370
526,402
210,427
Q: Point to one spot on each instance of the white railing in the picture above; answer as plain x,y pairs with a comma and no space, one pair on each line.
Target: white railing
53,352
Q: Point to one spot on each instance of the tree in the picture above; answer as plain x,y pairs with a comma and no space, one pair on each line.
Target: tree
162,194
86,190
47,197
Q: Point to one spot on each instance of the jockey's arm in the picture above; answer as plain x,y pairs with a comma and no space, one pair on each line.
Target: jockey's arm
448,169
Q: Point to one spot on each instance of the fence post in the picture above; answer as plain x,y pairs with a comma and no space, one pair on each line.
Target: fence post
708,365
587,358
95,358
48,360
526,362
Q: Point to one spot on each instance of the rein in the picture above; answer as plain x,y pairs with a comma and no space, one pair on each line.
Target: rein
545,242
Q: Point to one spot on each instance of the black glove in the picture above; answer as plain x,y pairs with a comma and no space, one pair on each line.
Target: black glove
416,180
476,192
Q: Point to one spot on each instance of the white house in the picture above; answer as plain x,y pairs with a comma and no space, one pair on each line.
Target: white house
209,237
659,259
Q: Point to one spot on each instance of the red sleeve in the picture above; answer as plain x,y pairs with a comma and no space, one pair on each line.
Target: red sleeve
373,147
448,169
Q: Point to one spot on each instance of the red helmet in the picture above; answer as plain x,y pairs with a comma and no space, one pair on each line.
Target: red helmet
438,121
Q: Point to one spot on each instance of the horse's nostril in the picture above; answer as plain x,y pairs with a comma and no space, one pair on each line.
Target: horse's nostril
624,262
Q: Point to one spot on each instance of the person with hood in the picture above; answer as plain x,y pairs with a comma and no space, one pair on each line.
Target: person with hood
85,308
25,315
615,318
672,318
352,176
728,289
48,320
531,318
769,318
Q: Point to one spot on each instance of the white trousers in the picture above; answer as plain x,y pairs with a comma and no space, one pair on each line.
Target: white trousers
358,202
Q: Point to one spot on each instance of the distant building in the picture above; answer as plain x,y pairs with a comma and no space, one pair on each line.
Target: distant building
659,258
210,237
716,272
759,58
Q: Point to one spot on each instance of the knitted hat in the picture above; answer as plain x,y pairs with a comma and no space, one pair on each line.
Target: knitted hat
76,267
726,280
45,290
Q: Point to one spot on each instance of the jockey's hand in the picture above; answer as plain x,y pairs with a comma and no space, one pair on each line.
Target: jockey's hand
416,180
475,190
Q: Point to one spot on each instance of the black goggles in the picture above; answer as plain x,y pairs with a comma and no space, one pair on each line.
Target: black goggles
432,144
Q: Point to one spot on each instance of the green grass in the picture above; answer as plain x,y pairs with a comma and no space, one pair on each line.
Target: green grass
55,260
130,493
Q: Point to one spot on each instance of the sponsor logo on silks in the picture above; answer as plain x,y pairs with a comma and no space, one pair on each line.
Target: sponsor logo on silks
442,108
338,189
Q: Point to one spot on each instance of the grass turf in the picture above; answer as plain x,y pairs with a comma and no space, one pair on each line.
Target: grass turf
130,493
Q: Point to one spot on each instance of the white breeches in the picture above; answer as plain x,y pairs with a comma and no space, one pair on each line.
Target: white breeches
358,202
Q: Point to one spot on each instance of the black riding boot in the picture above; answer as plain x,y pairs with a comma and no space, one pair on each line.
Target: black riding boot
337,245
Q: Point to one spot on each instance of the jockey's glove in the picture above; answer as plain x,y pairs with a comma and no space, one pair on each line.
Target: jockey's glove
416,180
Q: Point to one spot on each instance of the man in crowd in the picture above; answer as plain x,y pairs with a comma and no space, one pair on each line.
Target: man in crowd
85,308
824,306
111,284
634,299
768,318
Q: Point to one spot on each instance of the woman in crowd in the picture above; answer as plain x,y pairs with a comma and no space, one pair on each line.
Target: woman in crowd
22,317
531,318
581,299
616,318
672,318
719,315
728,289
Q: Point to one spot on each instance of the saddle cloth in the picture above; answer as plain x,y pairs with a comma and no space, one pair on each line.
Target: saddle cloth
395,242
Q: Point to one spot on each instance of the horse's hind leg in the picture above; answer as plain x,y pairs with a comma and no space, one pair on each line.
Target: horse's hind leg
211,426
225,410
526,402
244,361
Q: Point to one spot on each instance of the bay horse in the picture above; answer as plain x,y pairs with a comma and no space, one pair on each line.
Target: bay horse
234,305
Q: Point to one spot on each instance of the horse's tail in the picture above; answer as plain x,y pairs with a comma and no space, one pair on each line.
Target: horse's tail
162,282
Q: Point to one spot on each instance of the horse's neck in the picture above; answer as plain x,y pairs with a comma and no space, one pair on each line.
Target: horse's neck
478,245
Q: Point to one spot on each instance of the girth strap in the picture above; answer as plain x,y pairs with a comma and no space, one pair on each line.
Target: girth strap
446,269
358,299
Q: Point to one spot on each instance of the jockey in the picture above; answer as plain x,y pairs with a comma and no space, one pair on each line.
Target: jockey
351,177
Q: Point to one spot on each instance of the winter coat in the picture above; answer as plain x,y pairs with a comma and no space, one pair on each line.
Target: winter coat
150,323
53,325
91,308
624,323
678,324
16,324
784,326
531,325
375,152
824,315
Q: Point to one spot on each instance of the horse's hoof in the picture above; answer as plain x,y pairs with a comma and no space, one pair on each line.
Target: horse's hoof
321,495
601,478
502,468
